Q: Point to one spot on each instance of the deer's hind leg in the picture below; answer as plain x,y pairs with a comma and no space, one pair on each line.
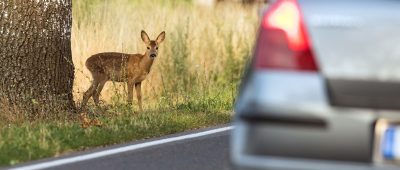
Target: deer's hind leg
89,93
98,90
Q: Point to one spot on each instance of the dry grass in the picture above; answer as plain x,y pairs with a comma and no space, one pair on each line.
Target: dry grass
205,48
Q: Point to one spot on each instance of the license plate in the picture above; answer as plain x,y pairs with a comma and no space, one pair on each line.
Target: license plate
391,143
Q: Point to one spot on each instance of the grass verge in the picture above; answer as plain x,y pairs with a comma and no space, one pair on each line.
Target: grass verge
36,140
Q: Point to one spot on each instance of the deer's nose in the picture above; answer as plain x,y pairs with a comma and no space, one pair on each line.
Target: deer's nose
153,55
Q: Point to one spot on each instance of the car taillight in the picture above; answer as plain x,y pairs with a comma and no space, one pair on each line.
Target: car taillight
283,42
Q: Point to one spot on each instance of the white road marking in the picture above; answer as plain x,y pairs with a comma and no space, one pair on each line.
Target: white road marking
113,151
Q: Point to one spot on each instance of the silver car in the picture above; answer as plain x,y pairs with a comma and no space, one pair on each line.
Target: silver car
323,89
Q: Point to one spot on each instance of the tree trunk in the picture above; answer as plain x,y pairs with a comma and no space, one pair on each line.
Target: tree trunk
36,69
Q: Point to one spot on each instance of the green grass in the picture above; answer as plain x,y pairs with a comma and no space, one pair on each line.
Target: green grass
30,141
23,140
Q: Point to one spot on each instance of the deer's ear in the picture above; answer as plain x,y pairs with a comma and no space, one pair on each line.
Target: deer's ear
145,37
160,37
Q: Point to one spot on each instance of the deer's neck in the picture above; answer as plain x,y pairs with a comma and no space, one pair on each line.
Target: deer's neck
146,62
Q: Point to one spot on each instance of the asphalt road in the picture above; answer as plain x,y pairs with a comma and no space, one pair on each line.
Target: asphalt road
207,151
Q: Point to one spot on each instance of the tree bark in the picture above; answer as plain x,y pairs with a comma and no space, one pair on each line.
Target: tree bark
36,69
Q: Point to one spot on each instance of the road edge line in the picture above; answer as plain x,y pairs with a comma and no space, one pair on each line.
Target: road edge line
113,151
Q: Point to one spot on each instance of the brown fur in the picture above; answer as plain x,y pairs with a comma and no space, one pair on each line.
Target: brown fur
121,67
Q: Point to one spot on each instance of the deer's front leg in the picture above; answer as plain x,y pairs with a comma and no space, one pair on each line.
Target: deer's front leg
130,92
138,87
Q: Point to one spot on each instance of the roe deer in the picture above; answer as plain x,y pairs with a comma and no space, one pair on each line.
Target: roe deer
121,67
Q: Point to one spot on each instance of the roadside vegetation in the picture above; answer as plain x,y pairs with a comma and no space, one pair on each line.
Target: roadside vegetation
192,84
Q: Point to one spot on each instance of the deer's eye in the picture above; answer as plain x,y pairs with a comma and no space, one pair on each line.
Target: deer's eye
148,48
156,48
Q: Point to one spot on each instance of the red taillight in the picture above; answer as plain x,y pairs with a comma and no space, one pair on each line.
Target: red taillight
283,42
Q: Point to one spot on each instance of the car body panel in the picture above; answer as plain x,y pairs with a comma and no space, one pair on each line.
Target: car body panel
290,96
246,161
355,39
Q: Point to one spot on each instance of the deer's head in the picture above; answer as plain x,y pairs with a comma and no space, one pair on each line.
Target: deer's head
152,45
